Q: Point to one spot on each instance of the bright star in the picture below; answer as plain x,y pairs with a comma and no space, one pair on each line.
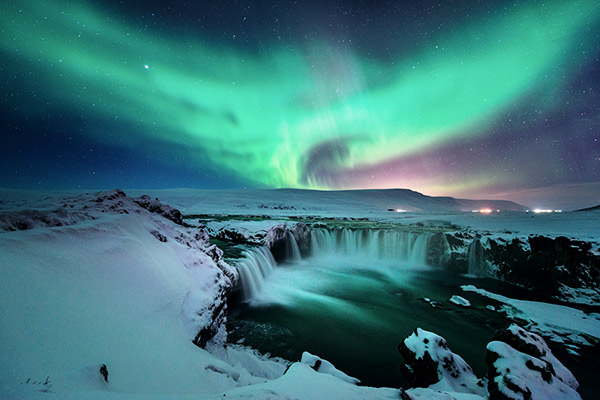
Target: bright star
146,66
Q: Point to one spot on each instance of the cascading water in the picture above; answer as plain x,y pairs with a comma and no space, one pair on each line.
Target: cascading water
371,243
365,244
256,266
293,251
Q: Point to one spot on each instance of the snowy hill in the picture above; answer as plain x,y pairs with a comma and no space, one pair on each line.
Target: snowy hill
331,203
594,208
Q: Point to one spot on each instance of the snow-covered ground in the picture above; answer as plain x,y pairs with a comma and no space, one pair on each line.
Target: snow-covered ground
557,322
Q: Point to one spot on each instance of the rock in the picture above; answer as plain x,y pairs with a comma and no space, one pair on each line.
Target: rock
278,240
104,372
155,206
521,366
438,250
428,362
543,264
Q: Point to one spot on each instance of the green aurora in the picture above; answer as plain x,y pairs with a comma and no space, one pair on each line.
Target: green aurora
265,115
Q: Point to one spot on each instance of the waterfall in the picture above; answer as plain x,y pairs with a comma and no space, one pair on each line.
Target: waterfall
293,251
371,243
374,244
254,268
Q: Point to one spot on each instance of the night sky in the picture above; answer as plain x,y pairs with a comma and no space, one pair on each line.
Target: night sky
461,98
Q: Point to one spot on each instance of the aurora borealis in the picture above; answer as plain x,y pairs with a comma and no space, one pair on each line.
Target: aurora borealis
460,99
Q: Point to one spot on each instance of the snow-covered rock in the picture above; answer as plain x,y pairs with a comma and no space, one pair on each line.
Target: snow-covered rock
533,345
519,376
430,363
325,367
460,301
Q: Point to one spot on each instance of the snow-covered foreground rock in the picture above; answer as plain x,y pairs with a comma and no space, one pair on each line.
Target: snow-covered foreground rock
522,366
430,363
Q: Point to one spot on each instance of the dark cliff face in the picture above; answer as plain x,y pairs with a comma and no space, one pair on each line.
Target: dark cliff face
540,263
543,263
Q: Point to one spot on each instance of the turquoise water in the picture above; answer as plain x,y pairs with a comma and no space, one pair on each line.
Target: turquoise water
354,312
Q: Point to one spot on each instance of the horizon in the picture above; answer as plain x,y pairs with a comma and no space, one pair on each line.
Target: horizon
476,101
531,206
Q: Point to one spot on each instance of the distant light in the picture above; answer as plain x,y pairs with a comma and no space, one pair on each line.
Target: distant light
484,211
400,210
539,211
557,210
146,66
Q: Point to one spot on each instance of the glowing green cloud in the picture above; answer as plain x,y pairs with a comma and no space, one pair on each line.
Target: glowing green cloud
278,118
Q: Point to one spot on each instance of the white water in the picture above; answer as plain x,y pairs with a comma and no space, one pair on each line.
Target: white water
293,252
474,261
256,266
368,247
371,243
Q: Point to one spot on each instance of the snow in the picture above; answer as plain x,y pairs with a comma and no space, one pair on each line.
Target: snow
460,301
252,230
431,394
558,322
542,348
523,371
580,295
304,383
325,367
101,289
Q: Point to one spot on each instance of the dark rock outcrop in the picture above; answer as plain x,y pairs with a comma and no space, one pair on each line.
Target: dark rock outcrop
542,264
155,206
428,361
279,240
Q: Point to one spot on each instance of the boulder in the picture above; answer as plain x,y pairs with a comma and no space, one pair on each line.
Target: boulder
535,346
428,362
522,367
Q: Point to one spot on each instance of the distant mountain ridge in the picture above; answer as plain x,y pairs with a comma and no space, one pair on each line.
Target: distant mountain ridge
317,202
594,208
411,200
